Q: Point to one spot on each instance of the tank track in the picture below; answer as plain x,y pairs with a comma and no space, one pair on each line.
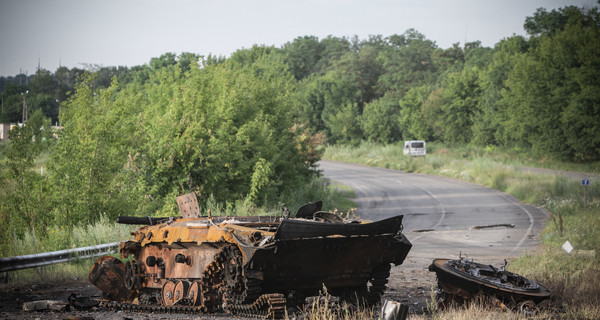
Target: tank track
221,291
379,280
267,306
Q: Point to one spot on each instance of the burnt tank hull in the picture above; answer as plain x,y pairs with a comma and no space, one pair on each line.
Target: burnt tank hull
209,262
308,255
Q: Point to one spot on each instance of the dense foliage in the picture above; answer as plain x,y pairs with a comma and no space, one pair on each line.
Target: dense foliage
245,128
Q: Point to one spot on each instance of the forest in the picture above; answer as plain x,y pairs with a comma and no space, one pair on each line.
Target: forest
247,130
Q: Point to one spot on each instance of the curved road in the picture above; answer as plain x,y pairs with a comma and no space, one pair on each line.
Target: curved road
440,213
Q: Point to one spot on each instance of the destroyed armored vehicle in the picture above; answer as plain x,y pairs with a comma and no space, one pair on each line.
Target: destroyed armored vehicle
462,280
250,264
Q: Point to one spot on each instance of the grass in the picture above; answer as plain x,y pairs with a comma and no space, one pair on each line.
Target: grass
60,237
439,155
325,307
574,278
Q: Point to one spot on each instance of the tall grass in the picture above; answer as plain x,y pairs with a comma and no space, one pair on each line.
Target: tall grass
325,307
58,238
63,237
478,311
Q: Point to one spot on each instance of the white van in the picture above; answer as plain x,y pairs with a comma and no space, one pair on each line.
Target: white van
415,148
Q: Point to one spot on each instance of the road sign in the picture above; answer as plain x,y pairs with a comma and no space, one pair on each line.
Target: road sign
585,183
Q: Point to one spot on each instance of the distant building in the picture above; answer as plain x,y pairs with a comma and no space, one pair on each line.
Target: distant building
4,129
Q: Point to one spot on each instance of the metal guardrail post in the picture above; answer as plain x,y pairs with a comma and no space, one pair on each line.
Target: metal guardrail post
47,258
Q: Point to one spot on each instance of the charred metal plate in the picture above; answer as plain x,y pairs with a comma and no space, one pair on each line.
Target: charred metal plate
307,210
188,206
108,275
302,229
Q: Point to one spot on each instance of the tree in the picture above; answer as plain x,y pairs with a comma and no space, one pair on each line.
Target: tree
414,121
12,103
407,62
24,205
90,153
332,49
361,70
461,92
379,120
489,126
550,23
302,55
344,124
551,96
165,60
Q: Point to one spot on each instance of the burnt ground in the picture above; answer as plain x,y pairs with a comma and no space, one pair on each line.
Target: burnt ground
409,283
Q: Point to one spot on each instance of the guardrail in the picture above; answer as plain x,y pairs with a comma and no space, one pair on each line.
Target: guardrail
47,258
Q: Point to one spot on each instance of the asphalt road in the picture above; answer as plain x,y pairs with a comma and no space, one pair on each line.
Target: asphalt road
441,215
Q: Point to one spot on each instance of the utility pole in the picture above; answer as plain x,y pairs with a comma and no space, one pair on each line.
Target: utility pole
59,106
24,115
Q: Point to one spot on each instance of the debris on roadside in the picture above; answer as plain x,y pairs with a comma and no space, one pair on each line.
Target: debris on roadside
423,230
462,280
490,226
45,305
74,302
392,310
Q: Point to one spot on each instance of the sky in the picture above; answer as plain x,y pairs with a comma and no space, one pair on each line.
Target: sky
76,33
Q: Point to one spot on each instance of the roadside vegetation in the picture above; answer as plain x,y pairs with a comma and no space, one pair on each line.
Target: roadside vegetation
575,277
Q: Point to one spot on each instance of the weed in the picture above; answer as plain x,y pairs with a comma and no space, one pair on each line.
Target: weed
326,307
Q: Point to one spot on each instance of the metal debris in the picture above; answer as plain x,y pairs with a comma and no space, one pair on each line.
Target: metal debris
490,226
45,305
392,310
423,230
462,280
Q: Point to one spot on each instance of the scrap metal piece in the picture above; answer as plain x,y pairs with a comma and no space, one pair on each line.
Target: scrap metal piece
461,280
392,310
490,226
188,206
45,305
108,275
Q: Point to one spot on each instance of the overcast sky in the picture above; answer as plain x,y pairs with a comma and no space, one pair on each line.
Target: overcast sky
130,32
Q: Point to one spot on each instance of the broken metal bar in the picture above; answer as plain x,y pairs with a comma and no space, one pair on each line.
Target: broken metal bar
500,225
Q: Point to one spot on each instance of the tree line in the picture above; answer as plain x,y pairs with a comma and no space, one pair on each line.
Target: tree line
248,127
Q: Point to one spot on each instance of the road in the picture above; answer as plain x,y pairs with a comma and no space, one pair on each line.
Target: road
440,213
440,219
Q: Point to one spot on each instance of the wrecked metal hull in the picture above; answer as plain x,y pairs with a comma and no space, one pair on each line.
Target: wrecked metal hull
339,256
212,262
466,279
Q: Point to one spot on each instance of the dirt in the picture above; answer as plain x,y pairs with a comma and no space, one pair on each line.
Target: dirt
410,283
